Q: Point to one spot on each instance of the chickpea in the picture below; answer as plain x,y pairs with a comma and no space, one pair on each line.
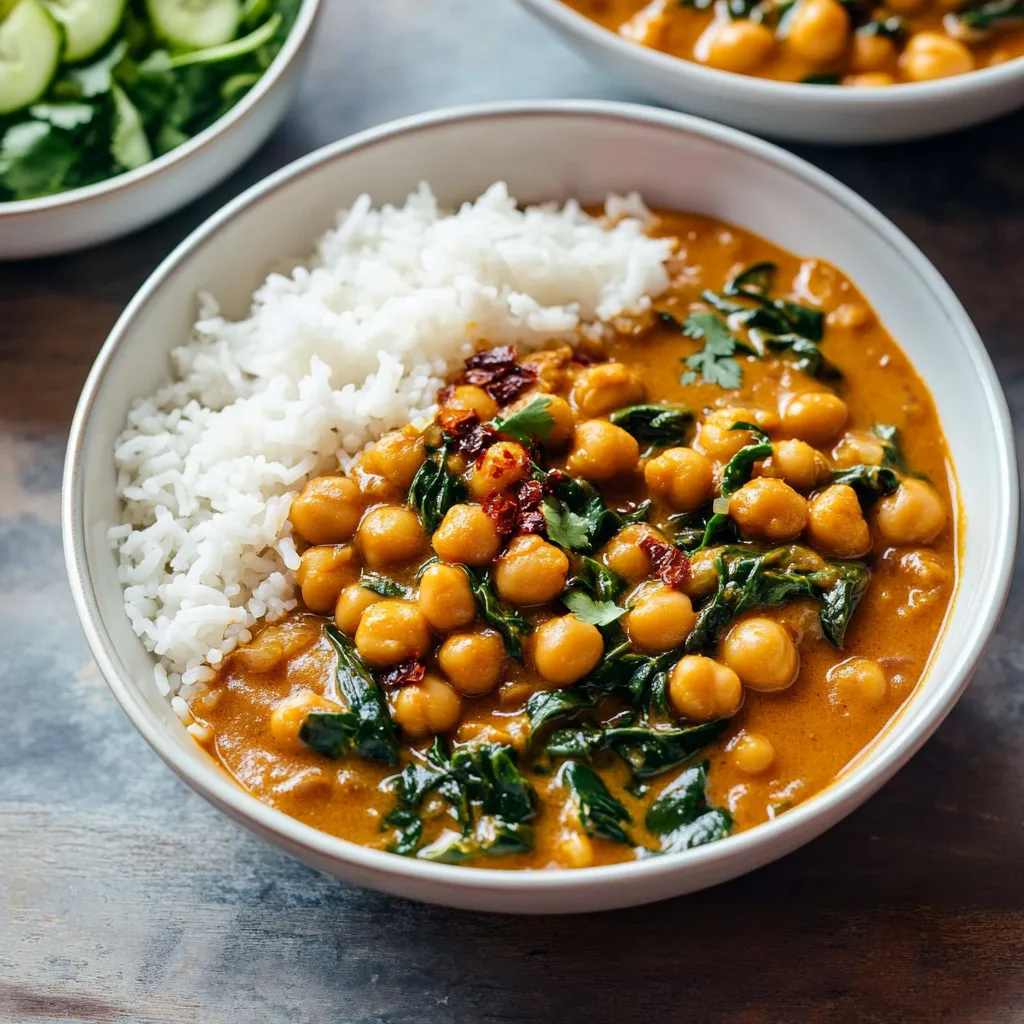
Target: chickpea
869,80
560,411
872,52
323,572
930,55
660,620
470,398
718,441
682,477
739,46
327,510
856,684
603,388
467,534
288,715
623,554
531,571
768,509
752,753
390,631
602,451
762,653
273,644
503,464
703,578
798,464
912,514
427,707
398,456
353,601
446,598
473,661
702,690
857,449
814,416
836,524
389,534
819,30
566,649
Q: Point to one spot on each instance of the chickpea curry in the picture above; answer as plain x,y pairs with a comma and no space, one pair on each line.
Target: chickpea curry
616,599
823,42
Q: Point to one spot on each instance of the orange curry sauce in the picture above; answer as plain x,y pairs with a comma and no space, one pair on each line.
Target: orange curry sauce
814,728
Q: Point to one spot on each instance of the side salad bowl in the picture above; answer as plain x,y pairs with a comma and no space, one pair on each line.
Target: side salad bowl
47,224
551,150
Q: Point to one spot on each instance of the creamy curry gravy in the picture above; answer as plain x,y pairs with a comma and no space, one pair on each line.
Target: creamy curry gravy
782,745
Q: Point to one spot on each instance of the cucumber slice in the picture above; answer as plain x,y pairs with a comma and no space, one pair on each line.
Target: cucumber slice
195,24
88,24
30,48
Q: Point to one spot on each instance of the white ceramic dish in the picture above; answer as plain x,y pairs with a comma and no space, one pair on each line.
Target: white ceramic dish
96,213
785,110
546,151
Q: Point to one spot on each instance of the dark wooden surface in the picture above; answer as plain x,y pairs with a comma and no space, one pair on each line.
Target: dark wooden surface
124,897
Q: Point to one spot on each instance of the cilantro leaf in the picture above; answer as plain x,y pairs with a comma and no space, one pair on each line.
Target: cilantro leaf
531,423
592,610
566,528
715,362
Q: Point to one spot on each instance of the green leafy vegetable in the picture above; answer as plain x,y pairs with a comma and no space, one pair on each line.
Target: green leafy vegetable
740,468
986,16
512,626
656,425
565,528
870,482
229,51
365,727
842,585
715,362
383,585
598,811
592,610
682,816
577,517
597,580
546,706
755,283
531,423
435,488
820,79
809,357
892,453
128,145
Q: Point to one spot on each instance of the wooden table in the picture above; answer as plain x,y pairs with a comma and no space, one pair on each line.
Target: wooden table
124,897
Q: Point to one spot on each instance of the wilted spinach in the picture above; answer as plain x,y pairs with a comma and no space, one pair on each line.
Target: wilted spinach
599,813
577,517
656,425
870,482
682,816
435,488
508,622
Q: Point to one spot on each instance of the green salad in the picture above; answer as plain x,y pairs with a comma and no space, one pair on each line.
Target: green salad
92,88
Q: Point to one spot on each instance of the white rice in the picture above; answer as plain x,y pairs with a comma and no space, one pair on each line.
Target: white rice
330,357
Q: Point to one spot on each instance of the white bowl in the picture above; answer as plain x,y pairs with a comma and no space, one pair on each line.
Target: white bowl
545,151
96,213
787,110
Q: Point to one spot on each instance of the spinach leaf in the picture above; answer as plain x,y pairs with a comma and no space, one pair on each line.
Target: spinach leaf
820,79
591,610
740,468
383,585
990,15
656,425
757,279
682,816
512,626
411,786
597,580
489,837
715,362
649,750
598,811
870,482
842,586
809,357
435,488
531,423
546,706
892,453
578,518
365,728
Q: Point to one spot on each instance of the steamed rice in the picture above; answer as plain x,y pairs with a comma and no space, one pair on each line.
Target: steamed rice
330,357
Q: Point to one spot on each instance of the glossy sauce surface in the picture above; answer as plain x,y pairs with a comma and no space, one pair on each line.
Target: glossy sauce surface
815,727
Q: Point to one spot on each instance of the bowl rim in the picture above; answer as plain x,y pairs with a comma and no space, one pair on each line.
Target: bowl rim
738,87
228,123
830,804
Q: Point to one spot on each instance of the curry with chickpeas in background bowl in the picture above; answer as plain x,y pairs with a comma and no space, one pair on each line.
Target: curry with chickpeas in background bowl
613,599
823,42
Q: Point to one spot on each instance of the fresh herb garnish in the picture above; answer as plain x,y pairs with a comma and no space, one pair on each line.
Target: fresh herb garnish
592,610
566,528
434,488
682,816
598,812
383,585
578,518
655,425
365,727
531,423
715,362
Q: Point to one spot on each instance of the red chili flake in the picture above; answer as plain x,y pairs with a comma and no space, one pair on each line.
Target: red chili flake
531,521
445,395
503,510
410,671
495,370
529,494
511,385
471,437
671,564
583,358
518,511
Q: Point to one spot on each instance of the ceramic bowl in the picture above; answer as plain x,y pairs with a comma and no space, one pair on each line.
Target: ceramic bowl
787,110
552,150
96,213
